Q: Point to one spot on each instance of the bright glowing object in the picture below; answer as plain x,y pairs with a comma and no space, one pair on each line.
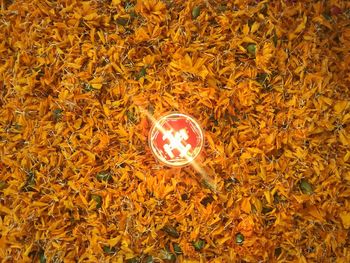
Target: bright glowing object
176,139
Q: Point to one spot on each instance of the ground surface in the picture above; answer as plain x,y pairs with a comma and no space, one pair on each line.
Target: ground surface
267,80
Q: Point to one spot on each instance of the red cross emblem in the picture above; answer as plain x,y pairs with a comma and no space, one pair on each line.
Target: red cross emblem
176,139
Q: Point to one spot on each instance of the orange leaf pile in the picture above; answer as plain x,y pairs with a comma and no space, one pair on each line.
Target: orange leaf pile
267,80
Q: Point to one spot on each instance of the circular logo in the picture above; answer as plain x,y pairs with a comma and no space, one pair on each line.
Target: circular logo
176,139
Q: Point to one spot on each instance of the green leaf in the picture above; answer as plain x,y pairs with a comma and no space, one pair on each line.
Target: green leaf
42,258
128,5
275,39
109,250
276,198
104,176
221,8
167,255
141,73
171,231
57,114
133,260
150,109
40,72
198,245
251,48
347,13
208,185
327,15
149,259
305,187
264,9
239,239
250,23
262,78
3,185
131,116
196,12
97,199
30,183
177,249
266,210
88,87
278,251
122,21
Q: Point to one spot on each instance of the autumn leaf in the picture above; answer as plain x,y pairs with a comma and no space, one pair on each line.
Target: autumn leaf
81,85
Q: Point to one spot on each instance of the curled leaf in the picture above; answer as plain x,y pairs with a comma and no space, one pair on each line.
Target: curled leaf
199,244
97,199
251,49
196,12
239,238
104,176
171,231
3,185
57,114
167,255
177,249
305,186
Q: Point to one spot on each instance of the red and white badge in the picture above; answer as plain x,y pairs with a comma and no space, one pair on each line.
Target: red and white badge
176,139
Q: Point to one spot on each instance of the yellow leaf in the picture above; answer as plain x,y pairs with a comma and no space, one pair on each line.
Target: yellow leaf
268,197
210,141
83,199
106,110
254,150
77,123
90,155
246,155
194,234
116,68
96,83
346,118
301,26
345,218
5,210
223,240
347,176
115,2
322,21
328,101
343,138
140,175
73,65
246,29
248,40
340,106
101,36
37,203
255,27
346,156
316,213
271,138
149,249
91,16
114,241
234,141
245,205
96,86
29,248
262,173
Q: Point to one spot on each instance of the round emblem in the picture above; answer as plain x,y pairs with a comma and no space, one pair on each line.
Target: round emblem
176,139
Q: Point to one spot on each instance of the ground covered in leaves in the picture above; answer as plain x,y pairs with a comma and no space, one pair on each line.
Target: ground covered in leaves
267,80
